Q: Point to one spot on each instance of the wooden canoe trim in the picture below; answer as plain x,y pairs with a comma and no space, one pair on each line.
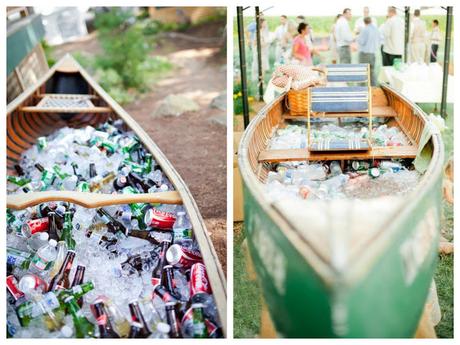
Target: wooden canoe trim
275,156
89,200
66,95
382,111
65,110
68,66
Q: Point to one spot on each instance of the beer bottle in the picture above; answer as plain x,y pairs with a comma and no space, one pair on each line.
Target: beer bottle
120,182
168,279
52,227
67,231
199,325
113,225
92,170
145,235
171,319
78,279
103,321
158,270
61,279
139,327
83,328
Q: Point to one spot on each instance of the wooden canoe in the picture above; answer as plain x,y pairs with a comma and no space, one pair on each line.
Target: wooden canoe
27,120
343,268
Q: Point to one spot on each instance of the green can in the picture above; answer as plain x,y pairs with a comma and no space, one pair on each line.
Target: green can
19,181
83,186
131,145
42,143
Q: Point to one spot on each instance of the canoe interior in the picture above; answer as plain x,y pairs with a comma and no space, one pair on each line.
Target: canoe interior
67,77
23,128
401,114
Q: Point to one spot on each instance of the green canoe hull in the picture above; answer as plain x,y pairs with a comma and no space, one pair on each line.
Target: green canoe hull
383,297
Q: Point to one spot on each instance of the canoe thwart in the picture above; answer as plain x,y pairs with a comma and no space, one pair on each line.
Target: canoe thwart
90,200
382,111
274,156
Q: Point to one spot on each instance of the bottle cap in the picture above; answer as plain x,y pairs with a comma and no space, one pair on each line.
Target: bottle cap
163,327
52,243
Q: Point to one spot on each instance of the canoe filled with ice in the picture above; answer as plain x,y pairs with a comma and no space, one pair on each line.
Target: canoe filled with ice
344,243
134,270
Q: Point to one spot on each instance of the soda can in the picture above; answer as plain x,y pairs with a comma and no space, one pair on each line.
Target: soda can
109,146
214,331
199,281
360,165
83,186
130,145
32,226
13,287
30,282
159,219
182,257
42,143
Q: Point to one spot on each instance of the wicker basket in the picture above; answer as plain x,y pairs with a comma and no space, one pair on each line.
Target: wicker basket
297,101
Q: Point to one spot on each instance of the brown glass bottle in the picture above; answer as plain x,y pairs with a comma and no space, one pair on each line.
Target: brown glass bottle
103,321
53,227
78,279
139,327
61,279
172,320
158,270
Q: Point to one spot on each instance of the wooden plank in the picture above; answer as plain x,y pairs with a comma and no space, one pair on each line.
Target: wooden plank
89,200
376,112
66,95
65,110
274,156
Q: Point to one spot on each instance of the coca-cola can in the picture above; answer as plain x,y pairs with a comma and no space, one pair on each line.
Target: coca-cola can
213,330
199,281
33,226
159,219
182,257
13,288
30,282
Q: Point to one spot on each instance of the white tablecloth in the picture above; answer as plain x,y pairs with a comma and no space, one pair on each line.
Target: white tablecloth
419,83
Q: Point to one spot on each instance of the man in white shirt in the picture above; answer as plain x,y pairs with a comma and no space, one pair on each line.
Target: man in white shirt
417,38
281,40
435,40
393,38
359,24
344,37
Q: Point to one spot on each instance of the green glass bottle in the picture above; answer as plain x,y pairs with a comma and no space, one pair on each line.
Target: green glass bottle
67,231
19,181
57,170
83,328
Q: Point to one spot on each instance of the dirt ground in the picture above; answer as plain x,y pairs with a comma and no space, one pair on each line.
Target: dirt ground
194,142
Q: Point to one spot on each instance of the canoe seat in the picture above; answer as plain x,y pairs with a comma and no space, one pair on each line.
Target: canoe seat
65,103
347,73
276,156
377,111
348,101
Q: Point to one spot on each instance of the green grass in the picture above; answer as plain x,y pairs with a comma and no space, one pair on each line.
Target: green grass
246,293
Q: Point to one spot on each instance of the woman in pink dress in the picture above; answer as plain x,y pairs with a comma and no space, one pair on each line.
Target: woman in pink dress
300,51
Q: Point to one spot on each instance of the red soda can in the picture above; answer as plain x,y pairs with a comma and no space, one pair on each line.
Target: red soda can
214,331
30,282
159,219
12,286
199,281
32,226
182,257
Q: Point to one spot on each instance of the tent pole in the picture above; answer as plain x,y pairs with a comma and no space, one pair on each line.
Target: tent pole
406,31
244,83
259,56
445,72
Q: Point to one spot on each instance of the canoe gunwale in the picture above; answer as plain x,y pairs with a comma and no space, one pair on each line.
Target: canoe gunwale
372,250
216,275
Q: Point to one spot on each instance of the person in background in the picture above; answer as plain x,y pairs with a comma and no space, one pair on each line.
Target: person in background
264,50
368,43
333,41
417,38
309,37
343,36
300,51
281,38
393,37
359,24
435,39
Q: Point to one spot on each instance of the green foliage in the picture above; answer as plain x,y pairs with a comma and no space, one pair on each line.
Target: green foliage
125,49
238,98
48,53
